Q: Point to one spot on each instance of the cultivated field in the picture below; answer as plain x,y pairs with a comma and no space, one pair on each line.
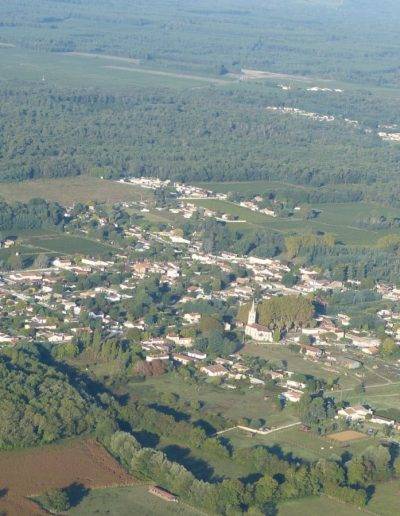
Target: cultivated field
29,473
73,189
346,436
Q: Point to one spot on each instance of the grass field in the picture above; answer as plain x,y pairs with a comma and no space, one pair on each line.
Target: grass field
307,446
69,244
385,502
69,190
80,70
128,501
335,218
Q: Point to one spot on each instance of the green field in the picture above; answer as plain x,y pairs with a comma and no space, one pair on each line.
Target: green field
335,218
58,69
69,244
128,501
385,502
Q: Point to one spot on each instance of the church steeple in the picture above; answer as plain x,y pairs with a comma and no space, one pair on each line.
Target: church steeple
252,319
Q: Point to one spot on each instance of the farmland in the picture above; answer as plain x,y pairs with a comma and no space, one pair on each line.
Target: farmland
335,218
67,191
27,474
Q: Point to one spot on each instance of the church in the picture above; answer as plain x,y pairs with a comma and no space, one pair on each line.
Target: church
256,331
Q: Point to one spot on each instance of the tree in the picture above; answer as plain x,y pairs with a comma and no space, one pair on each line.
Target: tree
57,500
388,347
265,490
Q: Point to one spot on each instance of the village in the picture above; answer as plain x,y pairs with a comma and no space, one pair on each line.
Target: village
78,295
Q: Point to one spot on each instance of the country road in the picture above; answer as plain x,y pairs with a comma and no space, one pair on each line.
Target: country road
260,432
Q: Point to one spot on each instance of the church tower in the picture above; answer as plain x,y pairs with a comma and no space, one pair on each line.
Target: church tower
252,319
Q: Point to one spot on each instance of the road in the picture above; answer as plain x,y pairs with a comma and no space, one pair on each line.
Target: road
266,432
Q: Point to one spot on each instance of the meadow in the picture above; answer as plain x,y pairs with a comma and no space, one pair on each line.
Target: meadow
126,501
334,218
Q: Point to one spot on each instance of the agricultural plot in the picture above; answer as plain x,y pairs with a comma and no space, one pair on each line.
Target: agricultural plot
69,190
334,218
28,473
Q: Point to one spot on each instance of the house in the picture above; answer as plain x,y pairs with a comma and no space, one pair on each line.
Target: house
311,351
256,331
355,413
186,342
198,355
293,396
215,370
162,493
378,420
157,356
192,318
182,359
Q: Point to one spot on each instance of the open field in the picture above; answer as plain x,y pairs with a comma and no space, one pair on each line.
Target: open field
233,404
69,190
335,218
318,505
128,501
28,473
86,70
385,502
346,436
69,244
307,446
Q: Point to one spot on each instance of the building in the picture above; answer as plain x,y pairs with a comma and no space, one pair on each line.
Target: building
162,493
355,413
256,331
214,370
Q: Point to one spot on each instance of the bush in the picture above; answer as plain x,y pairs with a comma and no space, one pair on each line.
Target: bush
57,500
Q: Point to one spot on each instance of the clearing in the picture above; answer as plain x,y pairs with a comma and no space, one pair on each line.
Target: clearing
28,473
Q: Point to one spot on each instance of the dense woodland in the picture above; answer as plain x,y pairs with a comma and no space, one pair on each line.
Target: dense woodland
210,135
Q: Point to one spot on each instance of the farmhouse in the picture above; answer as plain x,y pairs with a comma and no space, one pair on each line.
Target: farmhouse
355,413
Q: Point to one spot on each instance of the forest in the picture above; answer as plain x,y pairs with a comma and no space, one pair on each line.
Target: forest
326,38
211,135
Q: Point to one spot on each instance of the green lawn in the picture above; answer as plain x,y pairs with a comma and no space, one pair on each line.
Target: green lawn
128,501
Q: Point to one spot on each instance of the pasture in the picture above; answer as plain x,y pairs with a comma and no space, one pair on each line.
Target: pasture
127,501
25,474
